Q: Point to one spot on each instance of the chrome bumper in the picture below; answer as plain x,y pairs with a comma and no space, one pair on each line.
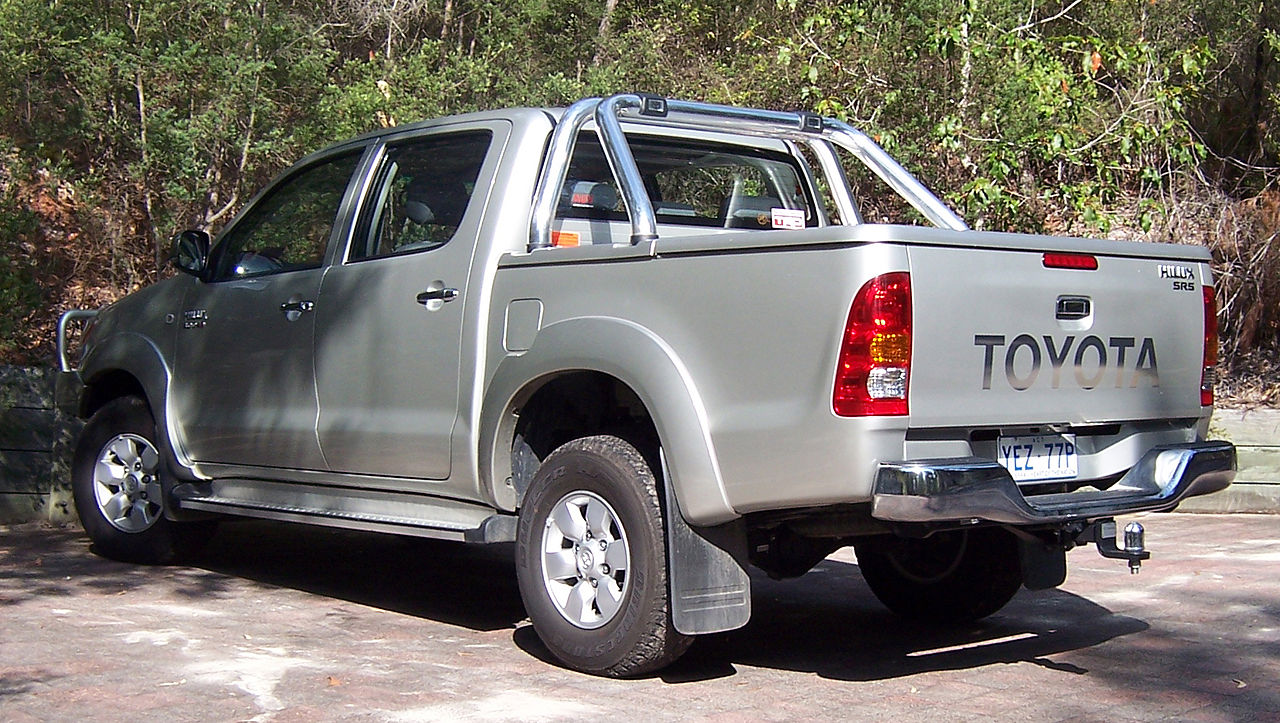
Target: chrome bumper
975,489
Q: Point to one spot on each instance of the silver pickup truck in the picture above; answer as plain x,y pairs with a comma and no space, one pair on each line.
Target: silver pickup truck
652,342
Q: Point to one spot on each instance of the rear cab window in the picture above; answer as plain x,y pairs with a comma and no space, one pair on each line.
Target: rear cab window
695,186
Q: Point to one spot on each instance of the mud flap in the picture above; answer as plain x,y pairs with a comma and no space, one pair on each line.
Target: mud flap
1043,566
707,572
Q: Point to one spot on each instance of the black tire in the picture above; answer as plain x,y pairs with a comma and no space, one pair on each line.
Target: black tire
948,577
626,638
142,533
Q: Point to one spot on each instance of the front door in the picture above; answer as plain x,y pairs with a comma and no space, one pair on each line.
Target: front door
244,372
388,336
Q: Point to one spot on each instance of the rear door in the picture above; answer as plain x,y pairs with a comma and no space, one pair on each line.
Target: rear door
389,334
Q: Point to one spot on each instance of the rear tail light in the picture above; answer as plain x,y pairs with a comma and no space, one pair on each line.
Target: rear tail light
875,353
1209,374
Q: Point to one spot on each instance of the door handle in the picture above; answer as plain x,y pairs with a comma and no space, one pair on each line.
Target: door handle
297,306
446,294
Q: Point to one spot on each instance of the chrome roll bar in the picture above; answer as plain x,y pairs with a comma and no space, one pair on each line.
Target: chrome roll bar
64,325
554,169
818,133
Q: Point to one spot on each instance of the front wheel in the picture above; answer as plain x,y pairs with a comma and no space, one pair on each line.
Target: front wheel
115,478
946,577
591,560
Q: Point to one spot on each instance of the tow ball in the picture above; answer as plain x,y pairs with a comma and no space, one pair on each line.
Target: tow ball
1103,534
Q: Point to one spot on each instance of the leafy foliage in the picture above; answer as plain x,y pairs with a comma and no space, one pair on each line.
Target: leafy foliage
1144,119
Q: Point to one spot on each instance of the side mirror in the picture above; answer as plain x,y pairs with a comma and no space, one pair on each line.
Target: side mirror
191,252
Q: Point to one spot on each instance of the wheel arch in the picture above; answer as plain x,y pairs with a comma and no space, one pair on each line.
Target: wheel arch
606,360
123,365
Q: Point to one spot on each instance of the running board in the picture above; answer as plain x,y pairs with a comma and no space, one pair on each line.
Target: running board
372,511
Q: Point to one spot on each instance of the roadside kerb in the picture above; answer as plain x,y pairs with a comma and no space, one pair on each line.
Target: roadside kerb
1256,434
35,448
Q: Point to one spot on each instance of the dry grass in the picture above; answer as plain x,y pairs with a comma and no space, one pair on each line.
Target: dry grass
1252,381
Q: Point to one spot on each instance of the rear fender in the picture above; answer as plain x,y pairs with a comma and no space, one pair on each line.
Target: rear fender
636,357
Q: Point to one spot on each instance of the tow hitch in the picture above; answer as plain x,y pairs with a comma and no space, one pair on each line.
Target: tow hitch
1103,534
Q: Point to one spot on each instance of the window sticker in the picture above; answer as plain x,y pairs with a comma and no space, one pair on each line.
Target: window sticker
787,217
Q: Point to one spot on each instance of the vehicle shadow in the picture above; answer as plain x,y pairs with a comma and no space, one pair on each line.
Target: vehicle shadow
826,622
829,623
413,576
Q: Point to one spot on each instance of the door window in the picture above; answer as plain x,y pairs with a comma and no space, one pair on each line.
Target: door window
289,228
421,195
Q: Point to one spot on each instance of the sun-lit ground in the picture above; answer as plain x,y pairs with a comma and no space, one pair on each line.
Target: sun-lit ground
288,623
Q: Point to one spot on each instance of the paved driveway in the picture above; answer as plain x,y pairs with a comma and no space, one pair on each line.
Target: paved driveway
286,623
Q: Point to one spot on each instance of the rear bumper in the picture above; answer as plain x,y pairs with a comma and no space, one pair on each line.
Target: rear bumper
975,489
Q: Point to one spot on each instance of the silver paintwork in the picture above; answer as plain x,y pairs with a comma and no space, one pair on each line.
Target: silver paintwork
585,560
394,413
126,483
728,337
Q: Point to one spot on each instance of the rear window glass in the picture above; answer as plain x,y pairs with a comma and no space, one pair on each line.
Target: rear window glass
692,183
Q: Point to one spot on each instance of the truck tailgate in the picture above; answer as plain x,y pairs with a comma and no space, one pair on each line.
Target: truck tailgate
1007,337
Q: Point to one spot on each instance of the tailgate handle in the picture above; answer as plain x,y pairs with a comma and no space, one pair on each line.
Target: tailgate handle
1071,308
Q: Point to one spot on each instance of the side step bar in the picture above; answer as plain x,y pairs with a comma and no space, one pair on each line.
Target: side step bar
371,511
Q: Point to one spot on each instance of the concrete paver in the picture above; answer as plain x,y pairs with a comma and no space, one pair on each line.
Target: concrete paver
286,623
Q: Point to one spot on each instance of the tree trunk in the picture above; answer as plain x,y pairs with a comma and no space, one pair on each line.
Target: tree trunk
604,32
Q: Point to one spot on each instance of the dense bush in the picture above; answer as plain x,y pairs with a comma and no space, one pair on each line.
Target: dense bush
1143,119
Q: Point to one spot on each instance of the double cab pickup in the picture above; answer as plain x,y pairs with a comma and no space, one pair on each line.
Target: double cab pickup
652,343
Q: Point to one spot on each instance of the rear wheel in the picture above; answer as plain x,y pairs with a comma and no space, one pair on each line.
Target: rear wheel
116,476
591,560
947,577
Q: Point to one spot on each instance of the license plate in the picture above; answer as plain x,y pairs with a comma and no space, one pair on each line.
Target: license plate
1038,457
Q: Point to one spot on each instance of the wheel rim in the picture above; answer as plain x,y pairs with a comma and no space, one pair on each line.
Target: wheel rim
125,483
585,559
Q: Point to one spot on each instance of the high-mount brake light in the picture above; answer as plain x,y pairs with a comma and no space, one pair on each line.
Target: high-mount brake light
1209,375
1083,262
875,354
